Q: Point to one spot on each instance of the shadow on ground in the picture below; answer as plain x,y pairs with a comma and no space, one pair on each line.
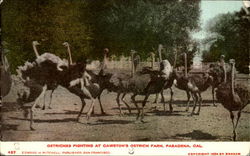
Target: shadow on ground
49,121
9,127
197,135
110,122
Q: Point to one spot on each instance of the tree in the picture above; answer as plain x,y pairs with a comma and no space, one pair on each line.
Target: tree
232,31
89,26
53,21
142,25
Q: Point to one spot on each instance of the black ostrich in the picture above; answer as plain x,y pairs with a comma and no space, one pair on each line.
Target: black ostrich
233,97
47,70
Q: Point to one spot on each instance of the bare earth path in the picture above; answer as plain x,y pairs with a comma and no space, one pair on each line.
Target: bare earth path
58,123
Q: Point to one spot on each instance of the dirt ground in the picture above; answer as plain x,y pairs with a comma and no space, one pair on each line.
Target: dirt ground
59,123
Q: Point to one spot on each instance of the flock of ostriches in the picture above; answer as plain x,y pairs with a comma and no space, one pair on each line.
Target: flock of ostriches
49,71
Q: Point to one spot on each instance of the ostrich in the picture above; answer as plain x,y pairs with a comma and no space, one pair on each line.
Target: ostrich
194,85
112,80
233,97
140,84
90,75
39,75
217,71
51,86
167,86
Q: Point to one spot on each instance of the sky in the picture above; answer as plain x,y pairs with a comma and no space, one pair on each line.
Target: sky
210,9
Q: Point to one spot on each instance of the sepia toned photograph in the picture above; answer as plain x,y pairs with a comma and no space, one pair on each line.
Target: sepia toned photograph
125,70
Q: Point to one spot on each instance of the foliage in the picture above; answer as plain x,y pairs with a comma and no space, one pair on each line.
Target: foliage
232,30
89,26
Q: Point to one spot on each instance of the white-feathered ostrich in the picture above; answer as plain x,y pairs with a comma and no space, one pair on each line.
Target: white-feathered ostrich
169,84
51,86
91,75
233,97
194,85
38,74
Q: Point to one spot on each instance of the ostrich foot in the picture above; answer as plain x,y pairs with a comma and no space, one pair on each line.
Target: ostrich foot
43,108
234,136
38,106
78,119
137,122
130,112
103,113
137,117
88,116
32,129
50,107
186,109
121,114
143,121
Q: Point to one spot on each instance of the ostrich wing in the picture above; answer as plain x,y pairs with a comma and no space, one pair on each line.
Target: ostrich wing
40,72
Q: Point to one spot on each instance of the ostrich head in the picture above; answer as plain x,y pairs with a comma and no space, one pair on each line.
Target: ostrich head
106,51
66,44
35,43
217,72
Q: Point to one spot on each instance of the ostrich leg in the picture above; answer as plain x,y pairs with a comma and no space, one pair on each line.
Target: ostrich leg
102,110
162,97
44,101
232,118
87,94
200,103
136,105
91,108
143,105
50,97
156,98
238,117
83,105
34,106
213,96
123,96
171,100
188,100
195,98
118,103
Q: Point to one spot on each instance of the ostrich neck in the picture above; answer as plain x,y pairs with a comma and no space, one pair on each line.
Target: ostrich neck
105,59
35,50
70,57
132,65
153,61
232,81
175,59
224,70
185,59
